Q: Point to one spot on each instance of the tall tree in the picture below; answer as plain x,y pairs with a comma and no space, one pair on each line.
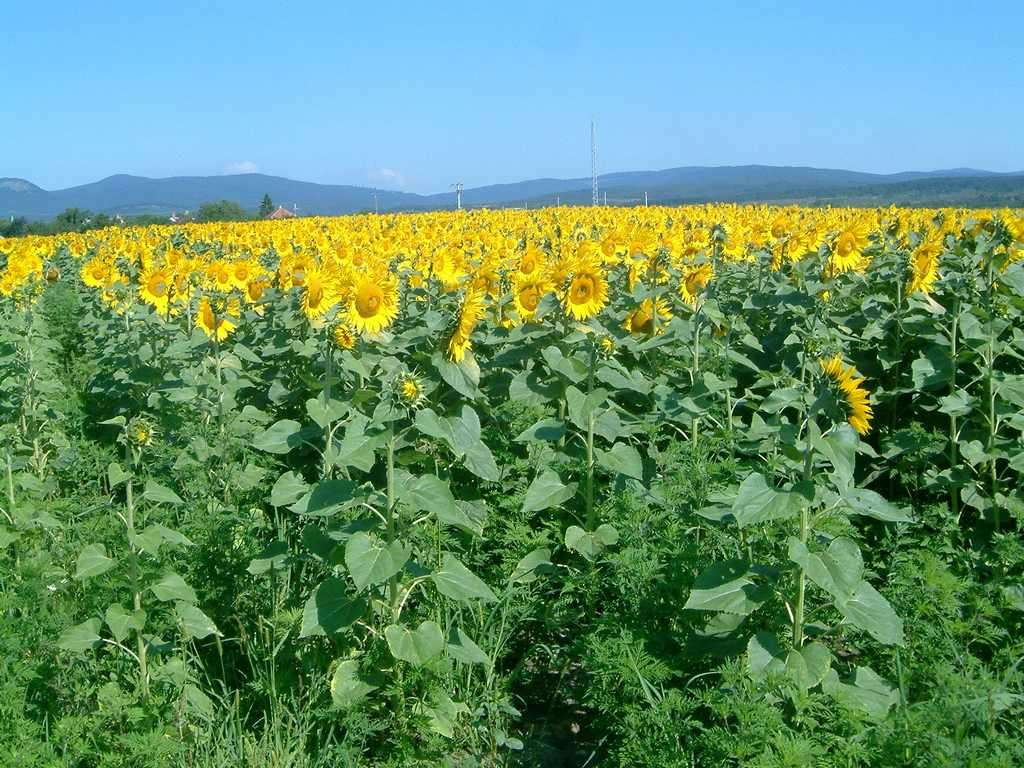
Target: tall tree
267,206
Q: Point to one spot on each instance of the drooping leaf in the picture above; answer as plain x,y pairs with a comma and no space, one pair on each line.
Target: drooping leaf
547,490
870,504
590,543
347,688
280,437
623,459
172,587
371,561
288,489
456,581
121,622
273,557
526,570
81,637
416,646
93,561
160,494
462,648
866,691
548,430
757,502
330,609
728,587
194,622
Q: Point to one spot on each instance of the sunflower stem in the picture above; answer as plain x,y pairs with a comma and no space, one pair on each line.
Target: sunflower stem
990,360
591,509
954,491
391,518
133,565
805,529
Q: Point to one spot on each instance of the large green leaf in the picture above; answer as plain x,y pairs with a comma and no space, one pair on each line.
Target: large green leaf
549,430
288,489
870,504
160,494
347,688
462,648
194,622
839,571
81,637
623,459
728,587
280,437
327,498
358,447
371,561
456,581
273,557
757,502
526,570
429,493
866,691
330,609
93,561
172,587
416,646
547,490
154,536
444,713
121,622
590,543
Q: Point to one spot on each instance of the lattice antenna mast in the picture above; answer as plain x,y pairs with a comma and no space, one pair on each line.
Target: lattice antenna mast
593,160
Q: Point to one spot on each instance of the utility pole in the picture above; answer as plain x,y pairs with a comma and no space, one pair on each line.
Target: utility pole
458,186
375,208
558,203
606,197
645,199
593,160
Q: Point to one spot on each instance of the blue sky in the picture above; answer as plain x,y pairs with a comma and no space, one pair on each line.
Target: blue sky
416,95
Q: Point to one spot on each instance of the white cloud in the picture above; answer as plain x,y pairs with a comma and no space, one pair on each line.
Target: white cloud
386,177
243,166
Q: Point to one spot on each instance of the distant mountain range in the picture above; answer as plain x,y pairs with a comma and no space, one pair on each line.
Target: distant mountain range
135,195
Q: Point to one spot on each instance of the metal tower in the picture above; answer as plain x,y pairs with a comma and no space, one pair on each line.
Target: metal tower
593,160
458,195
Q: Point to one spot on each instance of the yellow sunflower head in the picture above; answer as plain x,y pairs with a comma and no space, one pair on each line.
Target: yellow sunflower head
850,392
374,304
640,321
587,292
344,336
470,313
216,325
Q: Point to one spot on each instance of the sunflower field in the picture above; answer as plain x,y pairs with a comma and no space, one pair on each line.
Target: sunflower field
704,486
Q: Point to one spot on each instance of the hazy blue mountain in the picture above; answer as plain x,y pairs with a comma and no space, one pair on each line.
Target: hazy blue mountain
132,195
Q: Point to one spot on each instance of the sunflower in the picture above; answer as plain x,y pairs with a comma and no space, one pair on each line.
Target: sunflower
695,279
374,304
409,390
924,264
640,321
848,248
96,272
527,295
854,396
344,336
587,293
155,288
319,293
212,324
471,313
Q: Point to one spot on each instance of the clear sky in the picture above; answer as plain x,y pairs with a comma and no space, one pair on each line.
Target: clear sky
418,95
